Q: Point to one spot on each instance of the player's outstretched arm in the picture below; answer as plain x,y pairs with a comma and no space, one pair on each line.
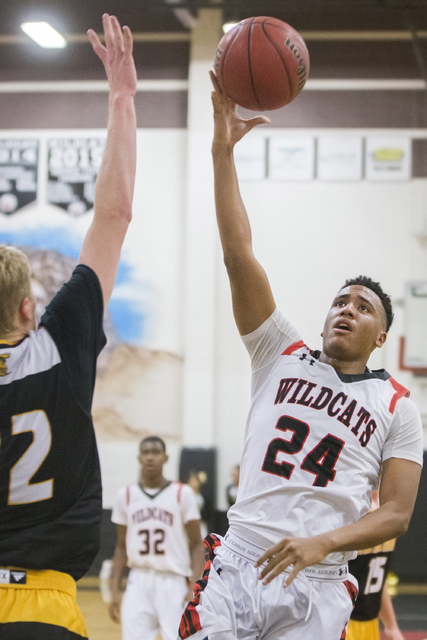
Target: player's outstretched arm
117,570
116,179
399,485
253,300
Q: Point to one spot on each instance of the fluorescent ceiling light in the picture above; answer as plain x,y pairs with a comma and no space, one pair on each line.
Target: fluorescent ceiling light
45,35
228,25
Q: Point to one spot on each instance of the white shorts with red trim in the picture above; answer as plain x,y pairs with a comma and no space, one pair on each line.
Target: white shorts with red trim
152,603
233,604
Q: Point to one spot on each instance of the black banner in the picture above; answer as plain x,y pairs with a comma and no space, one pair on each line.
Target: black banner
73,164
18,174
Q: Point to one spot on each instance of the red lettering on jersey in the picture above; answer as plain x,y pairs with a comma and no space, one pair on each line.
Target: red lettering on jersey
401,392
293,347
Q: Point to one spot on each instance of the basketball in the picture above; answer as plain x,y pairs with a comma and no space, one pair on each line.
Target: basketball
262,63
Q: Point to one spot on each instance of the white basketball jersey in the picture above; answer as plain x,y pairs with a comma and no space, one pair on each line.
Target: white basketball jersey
156,537
315,440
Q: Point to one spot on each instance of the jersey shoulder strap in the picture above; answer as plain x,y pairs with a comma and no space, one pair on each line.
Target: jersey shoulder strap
294,347
400,392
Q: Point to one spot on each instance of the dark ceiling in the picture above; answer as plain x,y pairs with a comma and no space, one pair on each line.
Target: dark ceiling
76,16
21,59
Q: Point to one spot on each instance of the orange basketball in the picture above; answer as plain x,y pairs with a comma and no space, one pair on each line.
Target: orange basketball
262,63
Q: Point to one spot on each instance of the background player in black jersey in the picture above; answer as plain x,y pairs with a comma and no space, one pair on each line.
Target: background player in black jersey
50,486
373,603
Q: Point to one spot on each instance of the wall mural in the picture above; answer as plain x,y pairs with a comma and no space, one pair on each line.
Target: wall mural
46,195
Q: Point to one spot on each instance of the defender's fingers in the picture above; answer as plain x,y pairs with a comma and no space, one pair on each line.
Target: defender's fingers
97,46
117,32
128,40
108,31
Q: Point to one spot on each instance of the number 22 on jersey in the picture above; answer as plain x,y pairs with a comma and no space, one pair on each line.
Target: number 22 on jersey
20,489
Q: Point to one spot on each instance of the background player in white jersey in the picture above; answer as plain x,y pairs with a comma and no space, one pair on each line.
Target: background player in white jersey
319,428
158,538
50,484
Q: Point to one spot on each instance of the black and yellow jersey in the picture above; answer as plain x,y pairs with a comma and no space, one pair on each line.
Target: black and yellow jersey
50,485
370,568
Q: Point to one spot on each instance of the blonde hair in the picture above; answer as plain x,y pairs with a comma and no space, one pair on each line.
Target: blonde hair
15,285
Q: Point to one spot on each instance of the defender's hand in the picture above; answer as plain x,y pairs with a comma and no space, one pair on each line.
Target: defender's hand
230,127
298,552
116,55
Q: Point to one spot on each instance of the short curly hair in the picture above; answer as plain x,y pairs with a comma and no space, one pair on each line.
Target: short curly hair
367,282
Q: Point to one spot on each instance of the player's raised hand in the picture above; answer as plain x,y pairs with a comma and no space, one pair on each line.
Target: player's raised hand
230,127
292,555
116,55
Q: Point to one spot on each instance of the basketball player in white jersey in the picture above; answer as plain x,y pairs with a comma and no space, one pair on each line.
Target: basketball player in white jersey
319,427
158,538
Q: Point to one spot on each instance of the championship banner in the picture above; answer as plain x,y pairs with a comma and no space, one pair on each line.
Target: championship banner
18,174
73,164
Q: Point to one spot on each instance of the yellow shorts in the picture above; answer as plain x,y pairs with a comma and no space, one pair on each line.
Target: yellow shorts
368,630
40,605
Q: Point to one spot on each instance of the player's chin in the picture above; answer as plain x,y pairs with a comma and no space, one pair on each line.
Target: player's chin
340,347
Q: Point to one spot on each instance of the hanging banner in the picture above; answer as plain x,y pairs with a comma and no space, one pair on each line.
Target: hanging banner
291,158
73,164
339,158
388,158
18,173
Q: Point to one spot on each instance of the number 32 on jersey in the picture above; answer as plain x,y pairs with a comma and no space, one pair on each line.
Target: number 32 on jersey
320,461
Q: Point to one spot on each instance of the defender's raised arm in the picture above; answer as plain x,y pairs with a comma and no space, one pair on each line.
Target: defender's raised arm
116,179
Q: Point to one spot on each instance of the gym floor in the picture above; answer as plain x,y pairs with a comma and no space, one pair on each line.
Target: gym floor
410,604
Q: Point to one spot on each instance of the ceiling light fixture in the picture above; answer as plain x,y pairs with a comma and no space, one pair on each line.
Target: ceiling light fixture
45,35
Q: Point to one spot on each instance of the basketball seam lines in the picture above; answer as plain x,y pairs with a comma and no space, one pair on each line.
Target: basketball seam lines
249,63
290,84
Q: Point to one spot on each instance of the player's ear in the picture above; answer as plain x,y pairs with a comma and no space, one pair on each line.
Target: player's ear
26,309
381,339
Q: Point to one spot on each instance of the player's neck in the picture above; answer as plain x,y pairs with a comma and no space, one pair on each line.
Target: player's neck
352,367
14,336
152,481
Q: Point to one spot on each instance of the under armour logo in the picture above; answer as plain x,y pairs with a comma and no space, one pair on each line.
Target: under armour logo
343,571
304,357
